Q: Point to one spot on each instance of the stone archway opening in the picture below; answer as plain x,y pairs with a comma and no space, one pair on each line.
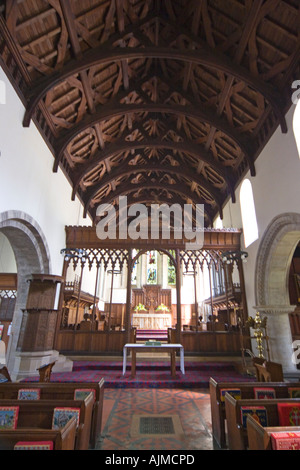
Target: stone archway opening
273,263
31,256
157,292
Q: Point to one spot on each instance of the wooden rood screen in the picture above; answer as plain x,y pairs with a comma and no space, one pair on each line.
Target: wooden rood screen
84,250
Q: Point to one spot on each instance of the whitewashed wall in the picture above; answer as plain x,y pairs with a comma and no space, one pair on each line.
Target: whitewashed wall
276,191
27,183
7,257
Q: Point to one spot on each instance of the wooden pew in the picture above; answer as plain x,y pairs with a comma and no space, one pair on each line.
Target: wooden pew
45,372
63,439
39,413
268,371
218,414
259,437
62,391
237,434
4,375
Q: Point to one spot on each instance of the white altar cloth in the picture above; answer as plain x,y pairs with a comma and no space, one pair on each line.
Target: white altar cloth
153,348
152,321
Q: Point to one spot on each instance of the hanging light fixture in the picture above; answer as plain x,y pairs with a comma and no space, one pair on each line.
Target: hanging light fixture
229,257
70,253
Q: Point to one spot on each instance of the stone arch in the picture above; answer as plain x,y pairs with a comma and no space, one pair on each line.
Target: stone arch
271,284
160,250
274,259
32,256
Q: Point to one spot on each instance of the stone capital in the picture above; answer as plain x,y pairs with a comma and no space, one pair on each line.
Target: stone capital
275,309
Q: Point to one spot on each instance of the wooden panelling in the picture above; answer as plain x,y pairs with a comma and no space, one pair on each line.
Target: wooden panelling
86,237
91,342
37,330
42,291
8,281
113,342
211,342
65,340
295,324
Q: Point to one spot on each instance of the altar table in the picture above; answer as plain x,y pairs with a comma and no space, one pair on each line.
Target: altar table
152,321
170,348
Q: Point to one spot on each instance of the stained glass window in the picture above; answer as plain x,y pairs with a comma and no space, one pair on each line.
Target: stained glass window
171,272
152,267
134,269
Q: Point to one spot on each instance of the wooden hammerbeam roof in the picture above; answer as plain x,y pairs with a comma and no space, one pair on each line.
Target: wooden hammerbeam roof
160,100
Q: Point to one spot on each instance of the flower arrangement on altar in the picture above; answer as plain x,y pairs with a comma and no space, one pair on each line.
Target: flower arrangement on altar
140,308
162,308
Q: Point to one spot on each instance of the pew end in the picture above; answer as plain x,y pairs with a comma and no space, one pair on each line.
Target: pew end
218,412
62,391
237,433
259,437
62,439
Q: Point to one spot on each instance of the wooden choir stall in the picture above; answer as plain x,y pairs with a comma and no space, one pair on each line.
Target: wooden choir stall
106,332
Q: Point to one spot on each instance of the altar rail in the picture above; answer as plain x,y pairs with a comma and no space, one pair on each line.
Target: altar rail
111,343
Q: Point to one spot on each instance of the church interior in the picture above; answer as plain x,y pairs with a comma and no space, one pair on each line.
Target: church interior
149,225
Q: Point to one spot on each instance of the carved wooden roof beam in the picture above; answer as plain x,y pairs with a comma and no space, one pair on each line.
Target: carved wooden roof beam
204,57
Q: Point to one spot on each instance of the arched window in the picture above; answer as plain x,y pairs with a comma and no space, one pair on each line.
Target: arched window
219,223
2,92
248,213
171,271
152,267
134,269
296,126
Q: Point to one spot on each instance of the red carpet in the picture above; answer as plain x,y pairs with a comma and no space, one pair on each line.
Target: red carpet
148,374
158,335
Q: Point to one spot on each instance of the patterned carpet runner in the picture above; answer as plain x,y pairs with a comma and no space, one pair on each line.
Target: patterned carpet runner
148,374
158,335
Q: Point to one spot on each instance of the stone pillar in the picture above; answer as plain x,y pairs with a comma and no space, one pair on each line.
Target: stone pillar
128,297
178,296
279,334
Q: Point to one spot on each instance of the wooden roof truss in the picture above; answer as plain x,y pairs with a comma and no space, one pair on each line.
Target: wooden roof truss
163,101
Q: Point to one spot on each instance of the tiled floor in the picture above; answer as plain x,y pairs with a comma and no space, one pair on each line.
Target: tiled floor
123,408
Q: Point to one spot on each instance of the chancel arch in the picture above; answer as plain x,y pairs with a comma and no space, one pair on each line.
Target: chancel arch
271,284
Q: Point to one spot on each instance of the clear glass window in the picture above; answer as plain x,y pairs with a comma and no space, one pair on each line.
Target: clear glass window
248,212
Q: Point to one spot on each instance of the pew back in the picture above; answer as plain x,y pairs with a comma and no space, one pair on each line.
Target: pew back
62,391
268,371
237,433
63,439
218,412
259,437
39,414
